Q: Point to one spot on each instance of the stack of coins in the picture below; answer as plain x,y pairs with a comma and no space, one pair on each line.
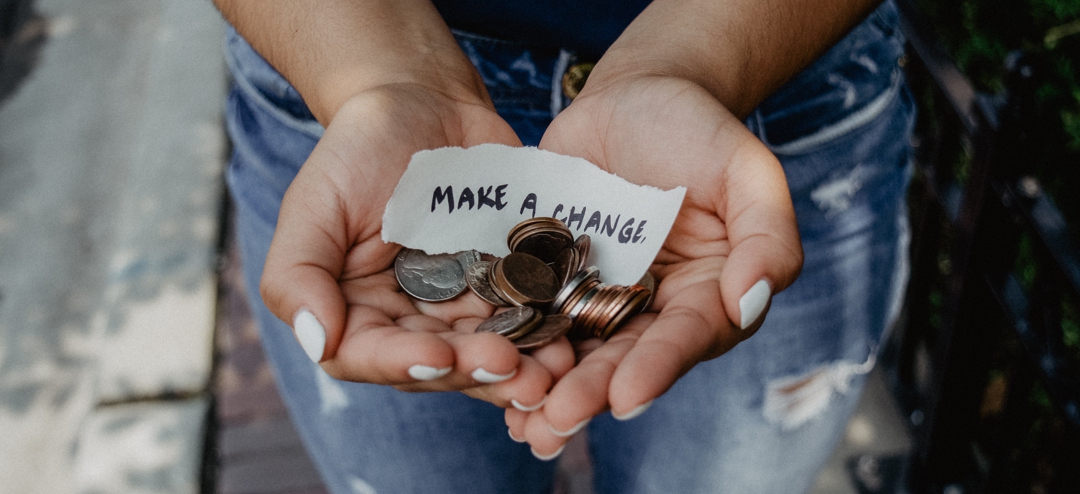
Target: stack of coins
598,309
545,273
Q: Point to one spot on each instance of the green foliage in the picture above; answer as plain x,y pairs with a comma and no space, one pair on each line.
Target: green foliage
980,35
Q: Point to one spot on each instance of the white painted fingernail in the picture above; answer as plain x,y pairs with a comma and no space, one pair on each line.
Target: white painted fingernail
516,440
552,456
753,302
426,373
573,430
640,409
524,408
487,377
310,333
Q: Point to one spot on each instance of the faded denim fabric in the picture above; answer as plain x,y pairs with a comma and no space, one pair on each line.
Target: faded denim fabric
762,418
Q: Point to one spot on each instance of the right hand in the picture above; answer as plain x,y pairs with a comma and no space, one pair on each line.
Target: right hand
328,258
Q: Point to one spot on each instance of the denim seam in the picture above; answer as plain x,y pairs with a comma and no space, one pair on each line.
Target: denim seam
853,121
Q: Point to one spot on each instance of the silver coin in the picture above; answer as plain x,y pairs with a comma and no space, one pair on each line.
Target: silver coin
476,275
432,278
508,322
568,288
467,258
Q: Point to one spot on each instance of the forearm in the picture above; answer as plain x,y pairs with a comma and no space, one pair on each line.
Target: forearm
739,50
331,50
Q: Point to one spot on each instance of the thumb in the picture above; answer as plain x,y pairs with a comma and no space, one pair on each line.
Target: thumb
300,278
766,254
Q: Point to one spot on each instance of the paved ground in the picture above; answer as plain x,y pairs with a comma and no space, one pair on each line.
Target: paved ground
111,153
110,161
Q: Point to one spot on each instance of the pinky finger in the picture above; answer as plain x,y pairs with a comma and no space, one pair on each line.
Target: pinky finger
515,423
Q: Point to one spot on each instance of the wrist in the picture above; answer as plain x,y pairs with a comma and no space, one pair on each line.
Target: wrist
332,50
739,51
457,83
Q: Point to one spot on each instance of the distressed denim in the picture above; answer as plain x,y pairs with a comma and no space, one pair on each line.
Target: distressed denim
762,418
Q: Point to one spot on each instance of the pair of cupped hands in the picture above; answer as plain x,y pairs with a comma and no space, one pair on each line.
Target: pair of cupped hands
733,245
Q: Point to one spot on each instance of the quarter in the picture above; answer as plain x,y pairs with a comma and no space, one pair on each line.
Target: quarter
432,278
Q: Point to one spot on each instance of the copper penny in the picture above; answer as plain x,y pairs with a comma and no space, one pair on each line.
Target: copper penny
648,281
566,265
544,245
528,280
630,307
583,245
550,329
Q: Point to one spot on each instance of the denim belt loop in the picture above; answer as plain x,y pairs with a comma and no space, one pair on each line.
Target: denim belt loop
559,101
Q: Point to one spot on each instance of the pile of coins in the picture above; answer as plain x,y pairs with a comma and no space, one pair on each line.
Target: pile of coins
544,280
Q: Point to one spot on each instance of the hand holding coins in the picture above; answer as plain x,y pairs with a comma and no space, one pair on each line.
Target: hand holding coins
544,280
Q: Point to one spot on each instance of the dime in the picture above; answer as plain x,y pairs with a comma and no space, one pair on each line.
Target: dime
476,275
525,280
510,321
550,329
432,278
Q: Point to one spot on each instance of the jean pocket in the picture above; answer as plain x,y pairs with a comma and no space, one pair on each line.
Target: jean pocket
265,87
845,88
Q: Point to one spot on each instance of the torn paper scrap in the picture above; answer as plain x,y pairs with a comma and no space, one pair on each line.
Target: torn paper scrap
454,199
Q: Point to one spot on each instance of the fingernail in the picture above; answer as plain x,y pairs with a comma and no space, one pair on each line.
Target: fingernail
552,456
524,408
426,373
310,333
640,409
487,377
753,302
516,440
573,430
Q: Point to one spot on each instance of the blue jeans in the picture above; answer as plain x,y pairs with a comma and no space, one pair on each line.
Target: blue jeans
762,418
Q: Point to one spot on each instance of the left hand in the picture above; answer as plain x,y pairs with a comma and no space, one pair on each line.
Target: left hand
736,228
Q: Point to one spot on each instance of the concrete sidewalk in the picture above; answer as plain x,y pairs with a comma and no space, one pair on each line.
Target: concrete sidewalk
111,155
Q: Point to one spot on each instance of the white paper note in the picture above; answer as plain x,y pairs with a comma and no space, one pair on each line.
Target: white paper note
454,199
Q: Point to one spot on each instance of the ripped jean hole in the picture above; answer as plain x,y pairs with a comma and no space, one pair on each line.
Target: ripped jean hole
835,196
792,401
331,394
